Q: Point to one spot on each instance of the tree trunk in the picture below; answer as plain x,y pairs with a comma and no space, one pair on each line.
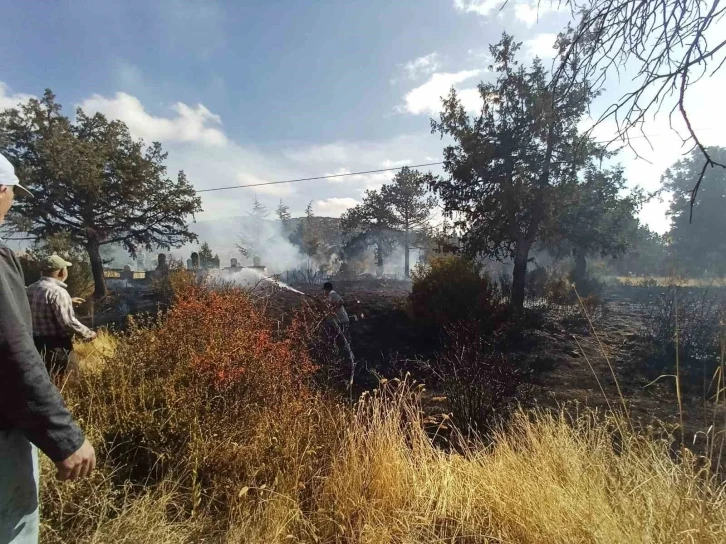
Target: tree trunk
379,259
524,244
406,257
94,254
580,270
519,277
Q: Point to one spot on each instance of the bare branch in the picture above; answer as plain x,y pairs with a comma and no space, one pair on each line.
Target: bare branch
670,41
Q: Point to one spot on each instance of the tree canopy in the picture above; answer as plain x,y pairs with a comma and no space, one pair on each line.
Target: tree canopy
251,238
509,164
592,218
206,258
283,212
699,246
410,204
370,224
94,182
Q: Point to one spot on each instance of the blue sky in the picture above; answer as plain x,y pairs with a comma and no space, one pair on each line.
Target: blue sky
240,92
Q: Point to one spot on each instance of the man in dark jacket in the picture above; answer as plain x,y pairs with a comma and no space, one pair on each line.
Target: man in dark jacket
32,412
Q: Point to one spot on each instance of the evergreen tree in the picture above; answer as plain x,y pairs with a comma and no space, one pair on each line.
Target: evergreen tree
509,165
699,245
206,258
94,182
251,239
370,223
411,205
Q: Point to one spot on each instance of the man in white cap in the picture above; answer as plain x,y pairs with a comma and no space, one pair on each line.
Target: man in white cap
54,321
32,412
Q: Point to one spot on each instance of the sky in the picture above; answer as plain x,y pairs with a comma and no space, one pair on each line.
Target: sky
243,92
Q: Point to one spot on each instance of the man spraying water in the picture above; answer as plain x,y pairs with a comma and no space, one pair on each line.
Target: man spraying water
339,324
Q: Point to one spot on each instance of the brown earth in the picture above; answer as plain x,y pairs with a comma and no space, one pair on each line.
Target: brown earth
575,361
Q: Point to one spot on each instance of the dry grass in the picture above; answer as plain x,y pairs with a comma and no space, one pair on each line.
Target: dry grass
94,354
663,281
328,473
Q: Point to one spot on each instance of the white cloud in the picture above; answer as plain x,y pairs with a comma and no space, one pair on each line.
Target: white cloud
191,124
361,182
471,99
333,207
542,46
422,66
481,56
480,7
278,189
530,11
395,164
10,100
427,97
341,175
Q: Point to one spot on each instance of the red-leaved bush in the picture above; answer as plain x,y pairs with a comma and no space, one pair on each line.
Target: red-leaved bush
213,393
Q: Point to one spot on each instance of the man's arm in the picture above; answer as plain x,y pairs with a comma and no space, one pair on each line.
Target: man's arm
28,398
62,305
336,301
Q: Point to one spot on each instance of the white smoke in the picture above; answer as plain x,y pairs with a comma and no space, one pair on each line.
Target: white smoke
249,278
270,242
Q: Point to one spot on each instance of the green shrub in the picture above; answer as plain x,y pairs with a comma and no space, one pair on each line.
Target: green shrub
452,289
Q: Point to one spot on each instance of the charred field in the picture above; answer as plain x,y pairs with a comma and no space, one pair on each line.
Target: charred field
601,361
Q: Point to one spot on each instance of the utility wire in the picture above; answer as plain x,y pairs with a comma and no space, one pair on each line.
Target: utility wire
319,177
348,174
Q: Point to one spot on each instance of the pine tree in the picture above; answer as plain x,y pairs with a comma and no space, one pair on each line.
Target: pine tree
93,181
206,258
283,212
370,223
411,205
510,164
251,237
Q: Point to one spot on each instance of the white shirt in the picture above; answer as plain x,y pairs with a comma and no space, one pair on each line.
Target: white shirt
341,316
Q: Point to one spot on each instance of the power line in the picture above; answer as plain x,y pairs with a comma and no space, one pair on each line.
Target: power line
319,177
330,176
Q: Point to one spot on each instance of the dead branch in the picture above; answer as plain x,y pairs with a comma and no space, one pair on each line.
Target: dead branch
669,41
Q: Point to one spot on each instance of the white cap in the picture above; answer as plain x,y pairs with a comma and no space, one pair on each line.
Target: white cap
8,177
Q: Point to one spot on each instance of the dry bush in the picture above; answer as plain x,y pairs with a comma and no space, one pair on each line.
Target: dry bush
480,383
551,285
548,478
213,397
452,289
97,352
378,478
689,319
553,289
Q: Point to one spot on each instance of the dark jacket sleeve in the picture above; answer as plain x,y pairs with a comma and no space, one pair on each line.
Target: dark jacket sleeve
28,399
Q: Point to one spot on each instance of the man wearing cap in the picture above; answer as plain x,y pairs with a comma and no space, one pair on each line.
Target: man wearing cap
32,412
54,322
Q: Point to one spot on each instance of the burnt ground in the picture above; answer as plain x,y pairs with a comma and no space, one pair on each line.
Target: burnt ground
569,359
572,359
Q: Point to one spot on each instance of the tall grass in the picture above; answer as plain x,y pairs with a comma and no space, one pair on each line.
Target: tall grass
186,456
